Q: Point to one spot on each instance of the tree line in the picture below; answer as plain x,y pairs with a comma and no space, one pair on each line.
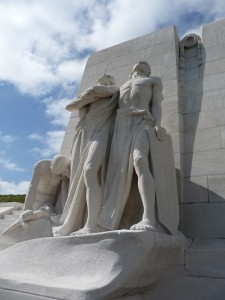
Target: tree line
12,198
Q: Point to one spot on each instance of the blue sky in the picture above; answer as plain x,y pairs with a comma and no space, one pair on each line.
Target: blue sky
44,45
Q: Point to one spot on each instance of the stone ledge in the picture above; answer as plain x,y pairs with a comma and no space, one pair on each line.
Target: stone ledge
206,257
94,266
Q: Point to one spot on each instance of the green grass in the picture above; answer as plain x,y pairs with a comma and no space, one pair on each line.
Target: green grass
12,198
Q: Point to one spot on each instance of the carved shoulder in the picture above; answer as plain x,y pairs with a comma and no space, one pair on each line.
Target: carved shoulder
157,81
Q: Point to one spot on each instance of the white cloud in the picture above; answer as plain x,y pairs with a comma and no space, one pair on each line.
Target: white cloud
6,139
13,188
35,137
56,111
7,164
43,41
50,144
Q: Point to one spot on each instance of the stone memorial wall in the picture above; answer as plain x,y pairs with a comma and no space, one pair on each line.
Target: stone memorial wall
192,71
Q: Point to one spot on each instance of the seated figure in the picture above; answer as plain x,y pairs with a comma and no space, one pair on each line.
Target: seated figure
47,191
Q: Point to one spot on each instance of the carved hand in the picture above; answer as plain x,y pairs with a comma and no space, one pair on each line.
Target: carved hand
160,133
26,215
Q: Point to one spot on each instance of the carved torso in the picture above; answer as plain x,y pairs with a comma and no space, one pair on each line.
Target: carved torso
137,93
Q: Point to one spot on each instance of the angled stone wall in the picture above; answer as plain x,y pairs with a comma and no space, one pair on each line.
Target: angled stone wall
193,113
161,50
203,155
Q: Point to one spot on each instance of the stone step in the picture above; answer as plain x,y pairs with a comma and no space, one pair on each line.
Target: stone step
14,205
17,212
5,210
206,257
10,217
4,223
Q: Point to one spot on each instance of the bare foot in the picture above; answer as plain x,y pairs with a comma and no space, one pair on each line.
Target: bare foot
59,231
55,219
85,230
145,224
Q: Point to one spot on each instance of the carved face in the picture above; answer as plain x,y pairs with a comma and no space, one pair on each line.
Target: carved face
142,67
106,80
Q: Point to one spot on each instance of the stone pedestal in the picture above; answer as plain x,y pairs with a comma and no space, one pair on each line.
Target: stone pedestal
98,266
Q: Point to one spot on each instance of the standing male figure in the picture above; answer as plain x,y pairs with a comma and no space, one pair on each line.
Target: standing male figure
137,124
97,105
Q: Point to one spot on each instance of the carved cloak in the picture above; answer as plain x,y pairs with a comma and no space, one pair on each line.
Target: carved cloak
98,121
120,171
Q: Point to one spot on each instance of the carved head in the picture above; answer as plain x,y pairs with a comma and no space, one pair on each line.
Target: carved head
61,165
106,80
142,68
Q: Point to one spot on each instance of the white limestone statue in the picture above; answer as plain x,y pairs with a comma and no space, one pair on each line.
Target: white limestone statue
47,191
97,106
140,144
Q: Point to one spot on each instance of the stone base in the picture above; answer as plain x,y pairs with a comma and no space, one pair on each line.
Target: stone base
183,288
98,266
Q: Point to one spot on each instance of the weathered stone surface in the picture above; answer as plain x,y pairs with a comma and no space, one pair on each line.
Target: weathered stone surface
214,67
177,161
202,140
177,138
206,257
214,53
204,120
170,87
210,101
158,61
172,58
95,69
222,131
78,264
167,73
192,73
191,62
155,38
195,189
67,144
125,60
204,163
210,83
213,33
112,52
170,104
185,288
216,186
161,49
172,122
86,82
203,220
190,52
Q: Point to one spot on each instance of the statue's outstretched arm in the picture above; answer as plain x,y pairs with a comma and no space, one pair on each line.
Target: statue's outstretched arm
92,95
105,91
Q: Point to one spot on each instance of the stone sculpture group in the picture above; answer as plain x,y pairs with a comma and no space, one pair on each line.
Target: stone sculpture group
118,145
